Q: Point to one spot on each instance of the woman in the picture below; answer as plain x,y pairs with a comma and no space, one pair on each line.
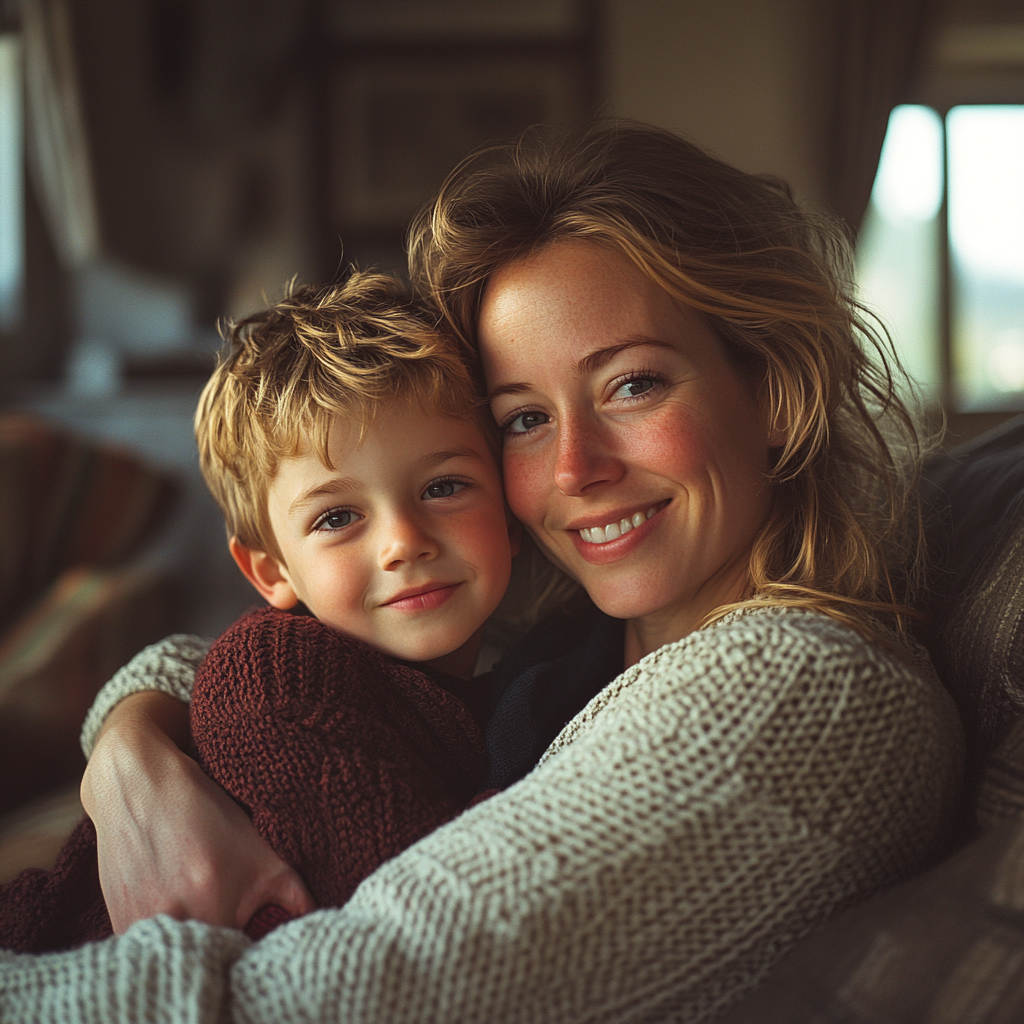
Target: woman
694,435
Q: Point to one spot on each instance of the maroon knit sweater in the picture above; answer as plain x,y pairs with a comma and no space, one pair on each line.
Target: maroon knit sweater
342,757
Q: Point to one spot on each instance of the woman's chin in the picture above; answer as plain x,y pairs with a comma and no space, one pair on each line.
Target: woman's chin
620,603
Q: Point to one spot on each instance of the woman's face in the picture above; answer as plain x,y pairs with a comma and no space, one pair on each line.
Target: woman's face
634,452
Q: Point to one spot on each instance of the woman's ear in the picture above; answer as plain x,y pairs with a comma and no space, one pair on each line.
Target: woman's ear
268,575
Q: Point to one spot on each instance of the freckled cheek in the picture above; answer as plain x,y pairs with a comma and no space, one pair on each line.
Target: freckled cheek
667,449
528,485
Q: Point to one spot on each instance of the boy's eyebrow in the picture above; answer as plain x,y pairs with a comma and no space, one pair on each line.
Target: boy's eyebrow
446,455
331,486
591,361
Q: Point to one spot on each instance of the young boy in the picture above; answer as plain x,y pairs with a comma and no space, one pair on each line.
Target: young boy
344,440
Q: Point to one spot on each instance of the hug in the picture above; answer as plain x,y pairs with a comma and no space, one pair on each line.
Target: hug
634,381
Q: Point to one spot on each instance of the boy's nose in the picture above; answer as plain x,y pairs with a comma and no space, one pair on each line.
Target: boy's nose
406,541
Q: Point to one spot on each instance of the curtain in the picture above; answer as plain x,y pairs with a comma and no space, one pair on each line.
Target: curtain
878,47
58,154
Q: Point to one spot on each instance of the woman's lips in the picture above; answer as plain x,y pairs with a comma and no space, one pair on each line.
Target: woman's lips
613,550
423,600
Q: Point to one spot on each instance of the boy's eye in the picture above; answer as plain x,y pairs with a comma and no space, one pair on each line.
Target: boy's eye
336,519
443,488
525,422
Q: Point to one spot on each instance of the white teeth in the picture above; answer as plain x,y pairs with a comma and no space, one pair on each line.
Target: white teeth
604,534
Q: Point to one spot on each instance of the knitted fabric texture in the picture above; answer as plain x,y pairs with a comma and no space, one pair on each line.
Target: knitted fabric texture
717,801
342,757
173,662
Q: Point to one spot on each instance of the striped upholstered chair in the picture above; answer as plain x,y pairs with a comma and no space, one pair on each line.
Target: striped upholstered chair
76,600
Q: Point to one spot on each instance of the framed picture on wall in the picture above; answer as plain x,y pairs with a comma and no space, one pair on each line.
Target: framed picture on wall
399,123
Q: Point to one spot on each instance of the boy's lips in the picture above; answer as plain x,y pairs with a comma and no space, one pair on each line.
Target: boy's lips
423,598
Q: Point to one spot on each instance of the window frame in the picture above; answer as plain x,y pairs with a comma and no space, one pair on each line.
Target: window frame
969,63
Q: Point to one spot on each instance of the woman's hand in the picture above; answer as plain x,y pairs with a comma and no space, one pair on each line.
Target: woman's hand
170,840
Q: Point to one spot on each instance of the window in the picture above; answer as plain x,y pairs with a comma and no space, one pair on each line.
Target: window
985,162
941,251
12,220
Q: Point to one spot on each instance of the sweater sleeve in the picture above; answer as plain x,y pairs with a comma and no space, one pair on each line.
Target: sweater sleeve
701,814
168,666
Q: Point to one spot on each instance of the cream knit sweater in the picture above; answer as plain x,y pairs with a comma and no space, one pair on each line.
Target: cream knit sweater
705,810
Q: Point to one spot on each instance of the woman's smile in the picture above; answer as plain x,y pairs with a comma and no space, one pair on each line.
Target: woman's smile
621,534
635,452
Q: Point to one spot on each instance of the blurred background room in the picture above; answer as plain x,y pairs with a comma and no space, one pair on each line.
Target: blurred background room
166,164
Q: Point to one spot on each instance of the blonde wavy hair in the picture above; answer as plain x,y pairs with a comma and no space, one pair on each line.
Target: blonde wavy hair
774,281
284,374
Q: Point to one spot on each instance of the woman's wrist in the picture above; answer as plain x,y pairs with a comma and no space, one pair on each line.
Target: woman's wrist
140,729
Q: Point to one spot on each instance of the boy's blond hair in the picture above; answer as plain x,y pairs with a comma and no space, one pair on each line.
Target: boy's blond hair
285,373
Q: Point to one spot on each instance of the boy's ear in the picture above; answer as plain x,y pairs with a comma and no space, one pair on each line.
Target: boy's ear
265,573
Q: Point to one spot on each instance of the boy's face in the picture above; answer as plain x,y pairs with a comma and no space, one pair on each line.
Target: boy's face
404,544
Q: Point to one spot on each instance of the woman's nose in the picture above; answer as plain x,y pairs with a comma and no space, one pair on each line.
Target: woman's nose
405,540
584,456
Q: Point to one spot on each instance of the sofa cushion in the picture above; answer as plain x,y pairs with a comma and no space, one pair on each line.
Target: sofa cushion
975,498
945,948
1001,794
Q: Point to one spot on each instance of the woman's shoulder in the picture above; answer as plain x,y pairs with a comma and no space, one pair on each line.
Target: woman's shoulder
790,642
788,664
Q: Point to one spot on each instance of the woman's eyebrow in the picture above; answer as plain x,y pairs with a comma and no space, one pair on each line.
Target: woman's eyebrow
595,360
511,388
590,362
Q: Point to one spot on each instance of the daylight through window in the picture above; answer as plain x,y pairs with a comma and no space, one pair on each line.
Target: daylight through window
12,229
972,216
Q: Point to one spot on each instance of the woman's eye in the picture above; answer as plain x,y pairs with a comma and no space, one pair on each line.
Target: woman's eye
635,388
336,519
443,488
525,422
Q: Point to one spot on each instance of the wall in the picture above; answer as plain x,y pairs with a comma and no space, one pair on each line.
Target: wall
740,77
198,120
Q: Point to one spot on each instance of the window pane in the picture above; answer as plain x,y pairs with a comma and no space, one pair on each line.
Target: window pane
986,237
12,231
898,245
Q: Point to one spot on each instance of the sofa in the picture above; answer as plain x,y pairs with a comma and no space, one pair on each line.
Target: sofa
946,947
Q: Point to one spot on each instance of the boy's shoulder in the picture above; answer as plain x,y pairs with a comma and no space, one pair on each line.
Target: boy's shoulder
268,628
283,654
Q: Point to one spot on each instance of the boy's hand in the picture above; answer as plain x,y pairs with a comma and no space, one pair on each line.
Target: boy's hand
170,840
